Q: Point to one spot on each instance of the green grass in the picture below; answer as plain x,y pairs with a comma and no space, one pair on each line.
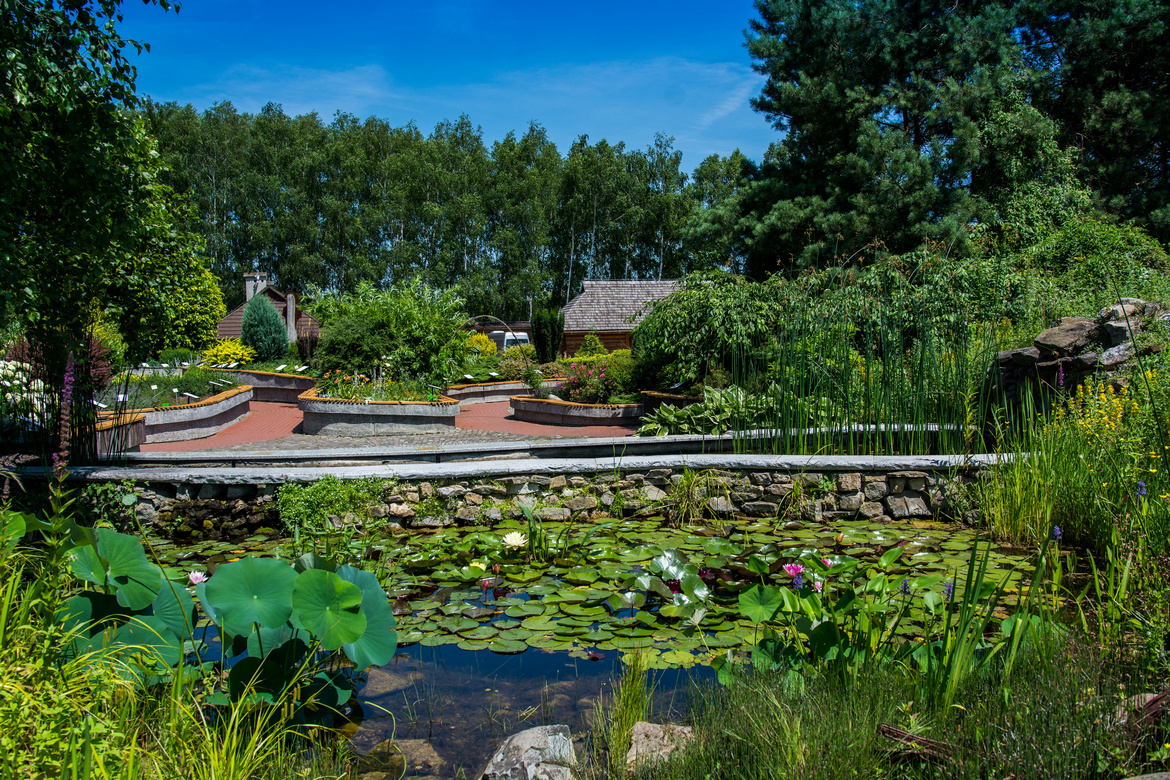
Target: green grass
1052,720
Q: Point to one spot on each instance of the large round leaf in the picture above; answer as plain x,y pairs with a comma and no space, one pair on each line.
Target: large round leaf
136,580
175,607
250,591
88,611
329,607
152,637
759,604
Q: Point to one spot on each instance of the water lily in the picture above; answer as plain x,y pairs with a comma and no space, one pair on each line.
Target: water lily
196,577
477,565
793,569
515,539
818,586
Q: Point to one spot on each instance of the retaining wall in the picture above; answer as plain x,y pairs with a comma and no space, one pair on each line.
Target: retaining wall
489,392
270,386
797,489
548,411
197,420
341,417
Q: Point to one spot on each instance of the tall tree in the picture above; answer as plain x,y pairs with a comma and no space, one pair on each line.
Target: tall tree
880,103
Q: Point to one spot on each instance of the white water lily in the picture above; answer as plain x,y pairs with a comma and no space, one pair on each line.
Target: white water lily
515,539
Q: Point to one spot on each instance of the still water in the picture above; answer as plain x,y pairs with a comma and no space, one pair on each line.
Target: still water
447,708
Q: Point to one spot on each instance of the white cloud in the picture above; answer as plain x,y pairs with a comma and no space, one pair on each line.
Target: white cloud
704,105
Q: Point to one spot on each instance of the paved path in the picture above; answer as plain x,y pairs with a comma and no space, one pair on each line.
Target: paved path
278,426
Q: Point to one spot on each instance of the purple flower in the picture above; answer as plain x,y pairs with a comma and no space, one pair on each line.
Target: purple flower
1056,534
1060,375
905,587
798,582
1141,491
949,590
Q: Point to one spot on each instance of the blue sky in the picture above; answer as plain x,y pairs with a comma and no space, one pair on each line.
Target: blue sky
614,70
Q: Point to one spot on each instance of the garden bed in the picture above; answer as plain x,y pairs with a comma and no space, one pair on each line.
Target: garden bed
490,392
120,433
651,400
271,386
548,411
342,417
196,420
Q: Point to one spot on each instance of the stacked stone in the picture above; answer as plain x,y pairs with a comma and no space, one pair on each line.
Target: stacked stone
795,498
1079,347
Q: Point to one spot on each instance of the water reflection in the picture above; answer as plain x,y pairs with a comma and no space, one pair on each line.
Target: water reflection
448,708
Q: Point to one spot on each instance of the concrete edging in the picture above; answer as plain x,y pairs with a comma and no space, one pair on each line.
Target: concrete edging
342,417
492,392
269,386
550,412
198,420
539,466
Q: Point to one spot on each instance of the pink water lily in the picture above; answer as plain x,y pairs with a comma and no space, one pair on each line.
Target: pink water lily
818,586
793,569
828,564
197,577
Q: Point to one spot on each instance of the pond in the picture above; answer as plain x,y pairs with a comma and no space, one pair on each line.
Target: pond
447,709
499,631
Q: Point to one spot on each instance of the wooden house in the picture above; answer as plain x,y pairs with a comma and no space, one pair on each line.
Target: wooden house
610,310
297,321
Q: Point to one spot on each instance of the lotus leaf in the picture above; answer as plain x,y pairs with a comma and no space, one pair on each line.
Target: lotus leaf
250,591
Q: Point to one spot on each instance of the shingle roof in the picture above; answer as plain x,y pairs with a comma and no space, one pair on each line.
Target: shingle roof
231,326
613,306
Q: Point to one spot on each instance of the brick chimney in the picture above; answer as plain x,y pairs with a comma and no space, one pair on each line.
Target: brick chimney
254,282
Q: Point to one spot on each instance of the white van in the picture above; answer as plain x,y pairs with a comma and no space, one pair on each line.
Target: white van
505,339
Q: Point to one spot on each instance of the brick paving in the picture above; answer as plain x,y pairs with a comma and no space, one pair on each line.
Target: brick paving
276,426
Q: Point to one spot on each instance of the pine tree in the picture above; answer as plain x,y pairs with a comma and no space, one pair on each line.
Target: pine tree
263,329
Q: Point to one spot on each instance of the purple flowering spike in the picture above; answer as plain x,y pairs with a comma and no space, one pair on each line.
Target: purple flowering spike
798,582
905,587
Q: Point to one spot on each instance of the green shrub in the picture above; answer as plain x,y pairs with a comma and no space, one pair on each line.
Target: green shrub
176,357
413,329
515,361
352,344
307,507
619,366
548,327
263,329
591,345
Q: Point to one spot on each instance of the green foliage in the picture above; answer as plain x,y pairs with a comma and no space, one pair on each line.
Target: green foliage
701,325
352,343
177,357
590,346
263,329
278,614
1090,263
548,327
410,331
306,508
515,361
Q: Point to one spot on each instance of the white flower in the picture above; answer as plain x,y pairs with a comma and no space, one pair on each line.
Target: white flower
515,539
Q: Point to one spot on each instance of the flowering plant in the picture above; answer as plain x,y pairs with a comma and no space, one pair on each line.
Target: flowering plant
587,384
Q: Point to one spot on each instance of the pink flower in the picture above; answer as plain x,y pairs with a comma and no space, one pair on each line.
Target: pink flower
792,569
827,562
818,586
197,577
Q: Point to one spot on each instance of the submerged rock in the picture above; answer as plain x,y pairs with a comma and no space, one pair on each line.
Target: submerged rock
651,743
541,753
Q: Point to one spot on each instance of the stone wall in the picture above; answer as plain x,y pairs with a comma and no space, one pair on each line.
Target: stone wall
225,511
1066,354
